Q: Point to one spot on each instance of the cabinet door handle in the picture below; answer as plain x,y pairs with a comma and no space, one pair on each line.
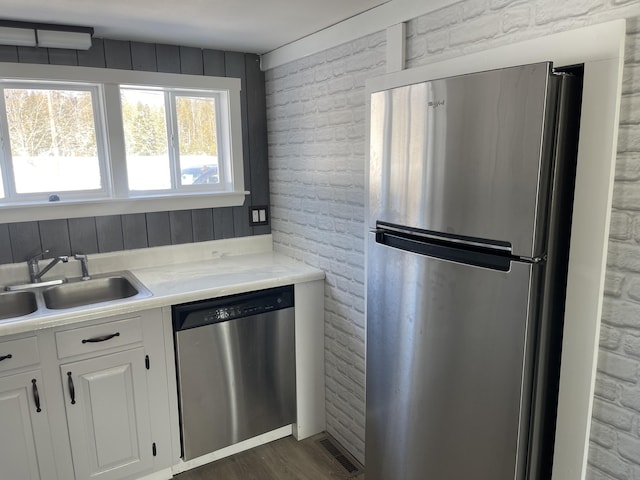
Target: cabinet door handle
5,357
72,390
103,338
36,396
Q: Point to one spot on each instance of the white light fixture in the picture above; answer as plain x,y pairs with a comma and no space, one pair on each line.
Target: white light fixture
45,35
60,39
17,36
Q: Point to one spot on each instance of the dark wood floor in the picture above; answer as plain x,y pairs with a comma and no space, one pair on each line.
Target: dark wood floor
285,459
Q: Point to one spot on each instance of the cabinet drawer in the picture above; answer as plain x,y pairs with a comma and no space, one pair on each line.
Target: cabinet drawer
95,338
23,352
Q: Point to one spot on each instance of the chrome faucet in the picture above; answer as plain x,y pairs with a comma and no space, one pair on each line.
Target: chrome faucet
84,264
34,269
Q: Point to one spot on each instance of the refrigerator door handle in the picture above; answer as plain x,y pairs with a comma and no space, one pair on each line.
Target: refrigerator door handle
481,246
441,250
459,241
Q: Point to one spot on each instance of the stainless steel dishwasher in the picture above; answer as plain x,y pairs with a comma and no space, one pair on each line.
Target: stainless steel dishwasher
235,359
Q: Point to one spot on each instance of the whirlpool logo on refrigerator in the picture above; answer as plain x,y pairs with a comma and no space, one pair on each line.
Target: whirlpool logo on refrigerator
435,103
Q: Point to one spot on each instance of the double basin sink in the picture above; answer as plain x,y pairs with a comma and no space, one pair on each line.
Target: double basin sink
101,289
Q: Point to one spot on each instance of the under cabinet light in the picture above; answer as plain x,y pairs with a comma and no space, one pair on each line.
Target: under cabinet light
17,36
45,35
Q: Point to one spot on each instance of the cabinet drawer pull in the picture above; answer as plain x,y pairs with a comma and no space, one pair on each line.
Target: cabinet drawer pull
36,395
72,390
5,357
103,338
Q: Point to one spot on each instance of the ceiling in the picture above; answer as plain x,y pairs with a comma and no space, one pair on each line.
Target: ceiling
255,26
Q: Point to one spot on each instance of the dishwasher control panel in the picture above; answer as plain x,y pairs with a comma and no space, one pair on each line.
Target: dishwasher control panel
222,309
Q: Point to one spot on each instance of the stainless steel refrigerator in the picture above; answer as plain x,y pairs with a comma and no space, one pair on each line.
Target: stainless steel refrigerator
470,192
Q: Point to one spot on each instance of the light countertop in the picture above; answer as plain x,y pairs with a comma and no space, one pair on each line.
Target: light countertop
220,272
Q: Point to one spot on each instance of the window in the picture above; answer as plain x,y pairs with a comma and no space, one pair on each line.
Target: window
53,146
197,133
171,140
100,141
146,139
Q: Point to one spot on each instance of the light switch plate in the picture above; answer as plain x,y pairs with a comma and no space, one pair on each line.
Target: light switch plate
258,215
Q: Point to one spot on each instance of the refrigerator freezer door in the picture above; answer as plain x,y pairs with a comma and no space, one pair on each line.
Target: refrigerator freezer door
465,156
447,348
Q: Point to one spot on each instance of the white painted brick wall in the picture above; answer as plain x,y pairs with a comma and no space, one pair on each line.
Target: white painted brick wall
316,122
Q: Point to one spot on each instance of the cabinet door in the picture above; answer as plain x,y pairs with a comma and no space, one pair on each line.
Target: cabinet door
26,450
108,415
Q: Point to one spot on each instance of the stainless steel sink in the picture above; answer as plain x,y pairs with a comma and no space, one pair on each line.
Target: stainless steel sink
17,304
78,293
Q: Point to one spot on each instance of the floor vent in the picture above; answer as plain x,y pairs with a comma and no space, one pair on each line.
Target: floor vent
351,466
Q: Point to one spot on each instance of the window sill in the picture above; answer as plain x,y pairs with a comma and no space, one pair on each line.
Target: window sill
10,213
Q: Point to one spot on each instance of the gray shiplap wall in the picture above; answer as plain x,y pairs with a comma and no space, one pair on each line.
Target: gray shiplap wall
124,232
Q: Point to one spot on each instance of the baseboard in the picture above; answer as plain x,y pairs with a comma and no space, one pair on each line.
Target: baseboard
232,449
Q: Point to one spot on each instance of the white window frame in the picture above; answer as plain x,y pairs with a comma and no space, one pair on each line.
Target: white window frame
221,132
118,199
171,118
6,160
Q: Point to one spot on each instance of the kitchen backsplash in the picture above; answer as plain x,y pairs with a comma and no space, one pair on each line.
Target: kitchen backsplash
123,232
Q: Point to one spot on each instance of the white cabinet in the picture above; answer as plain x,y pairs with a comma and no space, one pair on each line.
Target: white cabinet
26,451
108,415
103,396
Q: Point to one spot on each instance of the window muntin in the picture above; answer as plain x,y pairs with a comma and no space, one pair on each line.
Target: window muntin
52,145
